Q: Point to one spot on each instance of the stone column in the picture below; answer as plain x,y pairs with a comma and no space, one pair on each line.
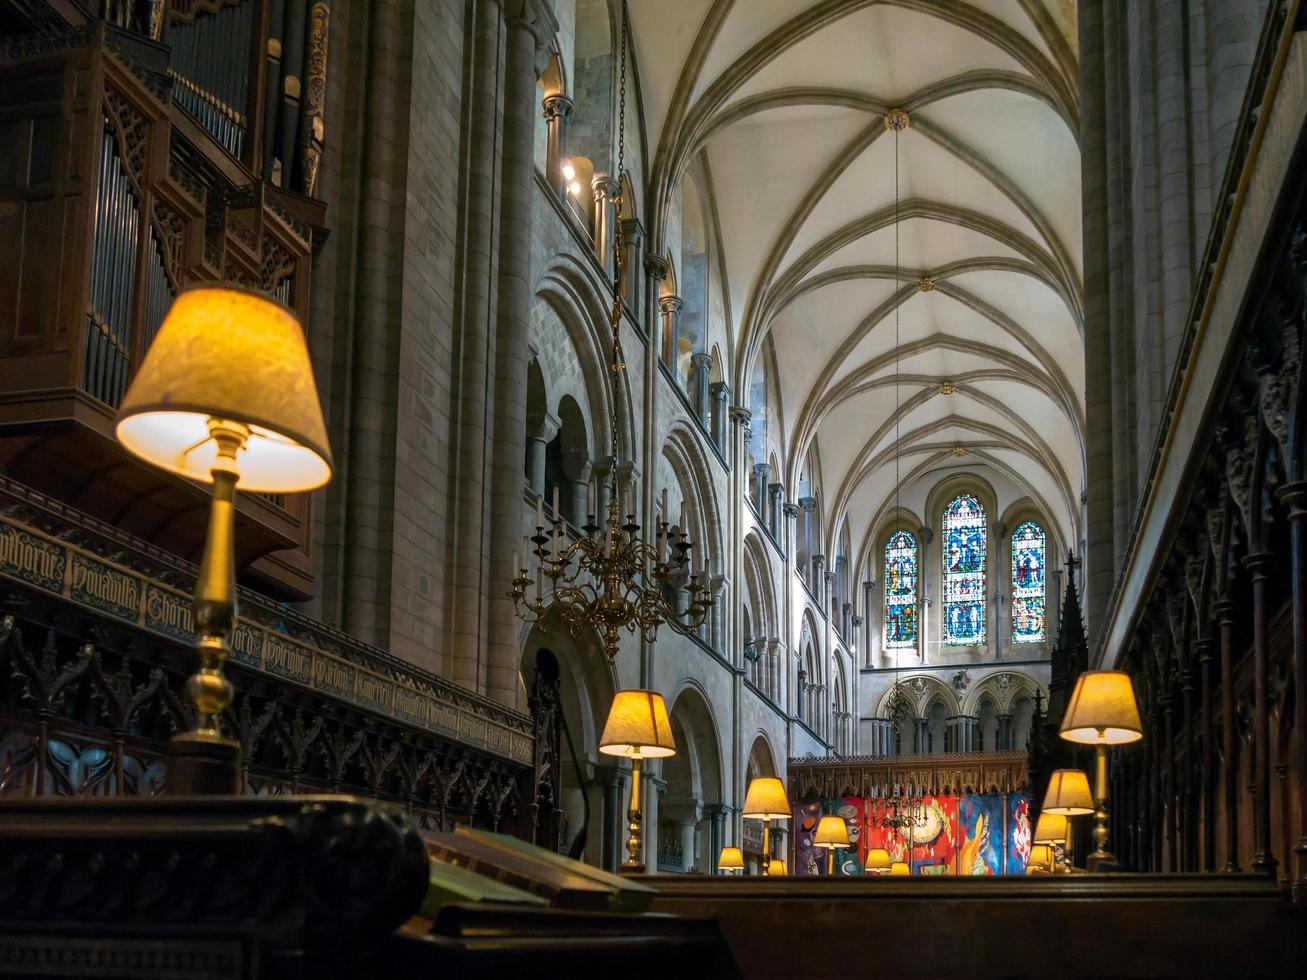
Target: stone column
855,631
530,26
789,532
1294,496
614,815
761,471
719,393
670,308
818,578
1261,564
577,470
920,736
604,189
775,499
557,109
700,368
716,813
655,271
1223,610
540,431
868,608
1188,838
632,233
1172,821
685,812
1207,782
1005,736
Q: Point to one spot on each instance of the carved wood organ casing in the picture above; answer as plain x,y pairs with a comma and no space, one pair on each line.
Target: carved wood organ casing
161,144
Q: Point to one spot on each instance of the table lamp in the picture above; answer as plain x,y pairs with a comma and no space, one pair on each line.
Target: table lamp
637,728
878,861
900,869
776,868
1040,856
1051,829
832,832
1102,712
730,860
224,395
1068,794
766,800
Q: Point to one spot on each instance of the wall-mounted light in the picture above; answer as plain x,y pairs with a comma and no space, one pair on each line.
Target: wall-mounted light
569,171
574,188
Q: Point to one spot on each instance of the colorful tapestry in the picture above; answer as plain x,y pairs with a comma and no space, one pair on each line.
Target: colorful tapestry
1028,554
808,860
1019,833
849,860
984,834
925,839
964,572
900,591
981,822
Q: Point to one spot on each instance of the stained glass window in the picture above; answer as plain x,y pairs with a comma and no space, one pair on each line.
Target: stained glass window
1028,553
964,572
900,591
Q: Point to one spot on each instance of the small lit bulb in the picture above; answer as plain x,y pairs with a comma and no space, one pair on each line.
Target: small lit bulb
569,171
574,189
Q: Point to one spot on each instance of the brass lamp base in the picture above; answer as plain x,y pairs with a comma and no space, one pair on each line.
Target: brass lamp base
203,764
631,869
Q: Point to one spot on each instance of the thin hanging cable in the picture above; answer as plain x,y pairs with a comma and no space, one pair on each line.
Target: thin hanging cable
619,361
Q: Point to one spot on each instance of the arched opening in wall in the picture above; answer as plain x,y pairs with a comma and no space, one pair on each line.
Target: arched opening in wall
575,771
550,83
591,125
1023,710
693,281
937,733
987,718
751,656
567,462
538,424
688,837
761,761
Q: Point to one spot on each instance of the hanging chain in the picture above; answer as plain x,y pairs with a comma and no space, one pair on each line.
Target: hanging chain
619,252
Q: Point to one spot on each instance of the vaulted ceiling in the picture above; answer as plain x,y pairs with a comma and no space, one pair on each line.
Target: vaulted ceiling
786,100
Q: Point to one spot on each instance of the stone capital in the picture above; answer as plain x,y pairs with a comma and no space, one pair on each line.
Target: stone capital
776,489
627,472
791,510
576,465
556,106
656,267
808,503
669,304
819,561
858,620
603,187
542,425
632,231
762,469
741,415
537,17
720,391
681,809
701,360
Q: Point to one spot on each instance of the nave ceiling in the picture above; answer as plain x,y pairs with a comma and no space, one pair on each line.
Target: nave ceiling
785,101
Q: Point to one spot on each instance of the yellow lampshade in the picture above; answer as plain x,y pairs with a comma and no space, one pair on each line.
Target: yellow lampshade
831,832
1068,794
731,859
1102,710
1050,827
776,867
877,860
1041,856
228,353
638,725
766,800
900,868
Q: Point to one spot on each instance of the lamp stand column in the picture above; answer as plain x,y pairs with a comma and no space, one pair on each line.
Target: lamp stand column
633,865
1100,852
766,845
203,761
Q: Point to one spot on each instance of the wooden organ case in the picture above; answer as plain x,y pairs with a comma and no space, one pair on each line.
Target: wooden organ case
162,144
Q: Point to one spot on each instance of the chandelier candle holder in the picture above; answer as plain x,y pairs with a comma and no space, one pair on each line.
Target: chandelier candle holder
610,578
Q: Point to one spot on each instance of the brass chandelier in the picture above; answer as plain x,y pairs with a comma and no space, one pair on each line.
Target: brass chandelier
608,578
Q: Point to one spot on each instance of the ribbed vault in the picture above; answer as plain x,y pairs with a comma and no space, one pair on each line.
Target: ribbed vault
784,101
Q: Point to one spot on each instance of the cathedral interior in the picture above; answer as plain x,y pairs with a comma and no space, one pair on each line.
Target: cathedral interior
749,488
